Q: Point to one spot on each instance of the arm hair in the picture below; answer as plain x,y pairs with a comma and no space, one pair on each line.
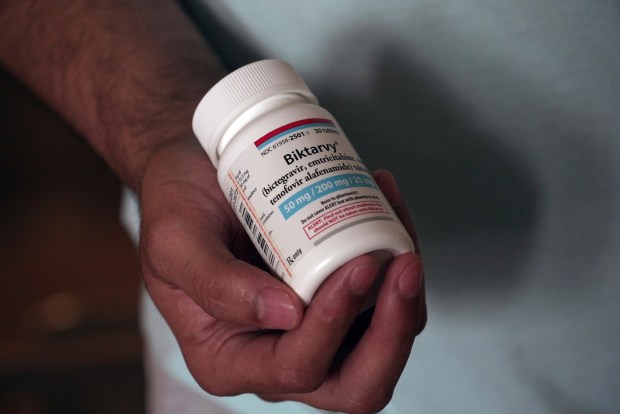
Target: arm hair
126,74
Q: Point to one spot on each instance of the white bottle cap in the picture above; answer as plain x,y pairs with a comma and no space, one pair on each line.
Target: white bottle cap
239,91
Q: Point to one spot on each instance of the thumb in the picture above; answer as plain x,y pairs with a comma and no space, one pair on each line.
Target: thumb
179,256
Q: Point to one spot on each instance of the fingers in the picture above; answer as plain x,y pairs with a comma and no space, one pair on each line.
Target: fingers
296,361
389,187
365,381
382,353
328,319
374,367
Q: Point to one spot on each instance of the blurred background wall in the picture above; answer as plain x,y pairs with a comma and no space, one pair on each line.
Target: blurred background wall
69,340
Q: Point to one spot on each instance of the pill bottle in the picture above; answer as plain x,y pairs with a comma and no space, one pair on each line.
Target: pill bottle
294,180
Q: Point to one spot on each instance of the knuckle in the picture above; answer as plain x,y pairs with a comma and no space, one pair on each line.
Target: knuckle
368,403
300,379
216,385
214,293
269,398
216,388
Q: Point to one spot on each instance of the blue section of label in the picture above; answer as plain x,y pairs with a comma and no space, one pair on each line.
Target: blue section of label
322,188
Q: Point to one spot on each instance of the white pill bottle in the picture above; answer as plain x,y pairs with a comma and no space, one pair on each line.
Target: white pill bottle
292,177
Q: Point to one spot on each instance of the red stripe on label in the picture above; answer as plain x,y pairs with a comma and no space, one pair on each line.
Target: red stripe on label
290,126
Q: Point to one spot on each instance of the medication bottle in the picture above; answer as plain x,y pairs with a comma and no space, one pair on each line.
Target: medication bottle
301,191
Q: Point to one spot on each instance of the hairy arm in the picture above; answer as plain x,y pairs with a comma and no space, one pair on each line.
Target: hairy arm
126,74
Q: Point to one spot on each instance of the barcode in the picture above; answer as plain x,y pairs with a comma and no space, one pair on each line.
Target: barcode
247,218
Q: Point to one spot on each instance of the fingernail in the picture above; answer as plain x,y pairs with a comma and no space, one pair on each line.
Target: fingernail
275,309
410,281
361,279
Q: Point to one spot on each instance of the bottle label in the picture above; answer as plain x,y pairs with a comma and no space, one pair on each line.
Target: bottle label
298,186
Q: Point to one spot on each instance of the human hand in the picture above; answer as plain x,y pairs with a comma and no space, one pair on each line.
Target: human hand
243,331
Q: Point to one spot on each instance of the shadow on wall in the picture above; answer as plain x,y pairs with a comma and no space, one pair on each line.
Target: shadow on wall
474,203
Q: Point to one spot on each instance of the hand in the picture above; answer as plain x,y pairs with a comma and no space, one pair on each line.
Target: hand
243,331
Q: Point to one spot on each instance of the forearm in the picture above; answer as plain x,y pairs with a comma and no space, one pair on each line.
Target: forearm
127,75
